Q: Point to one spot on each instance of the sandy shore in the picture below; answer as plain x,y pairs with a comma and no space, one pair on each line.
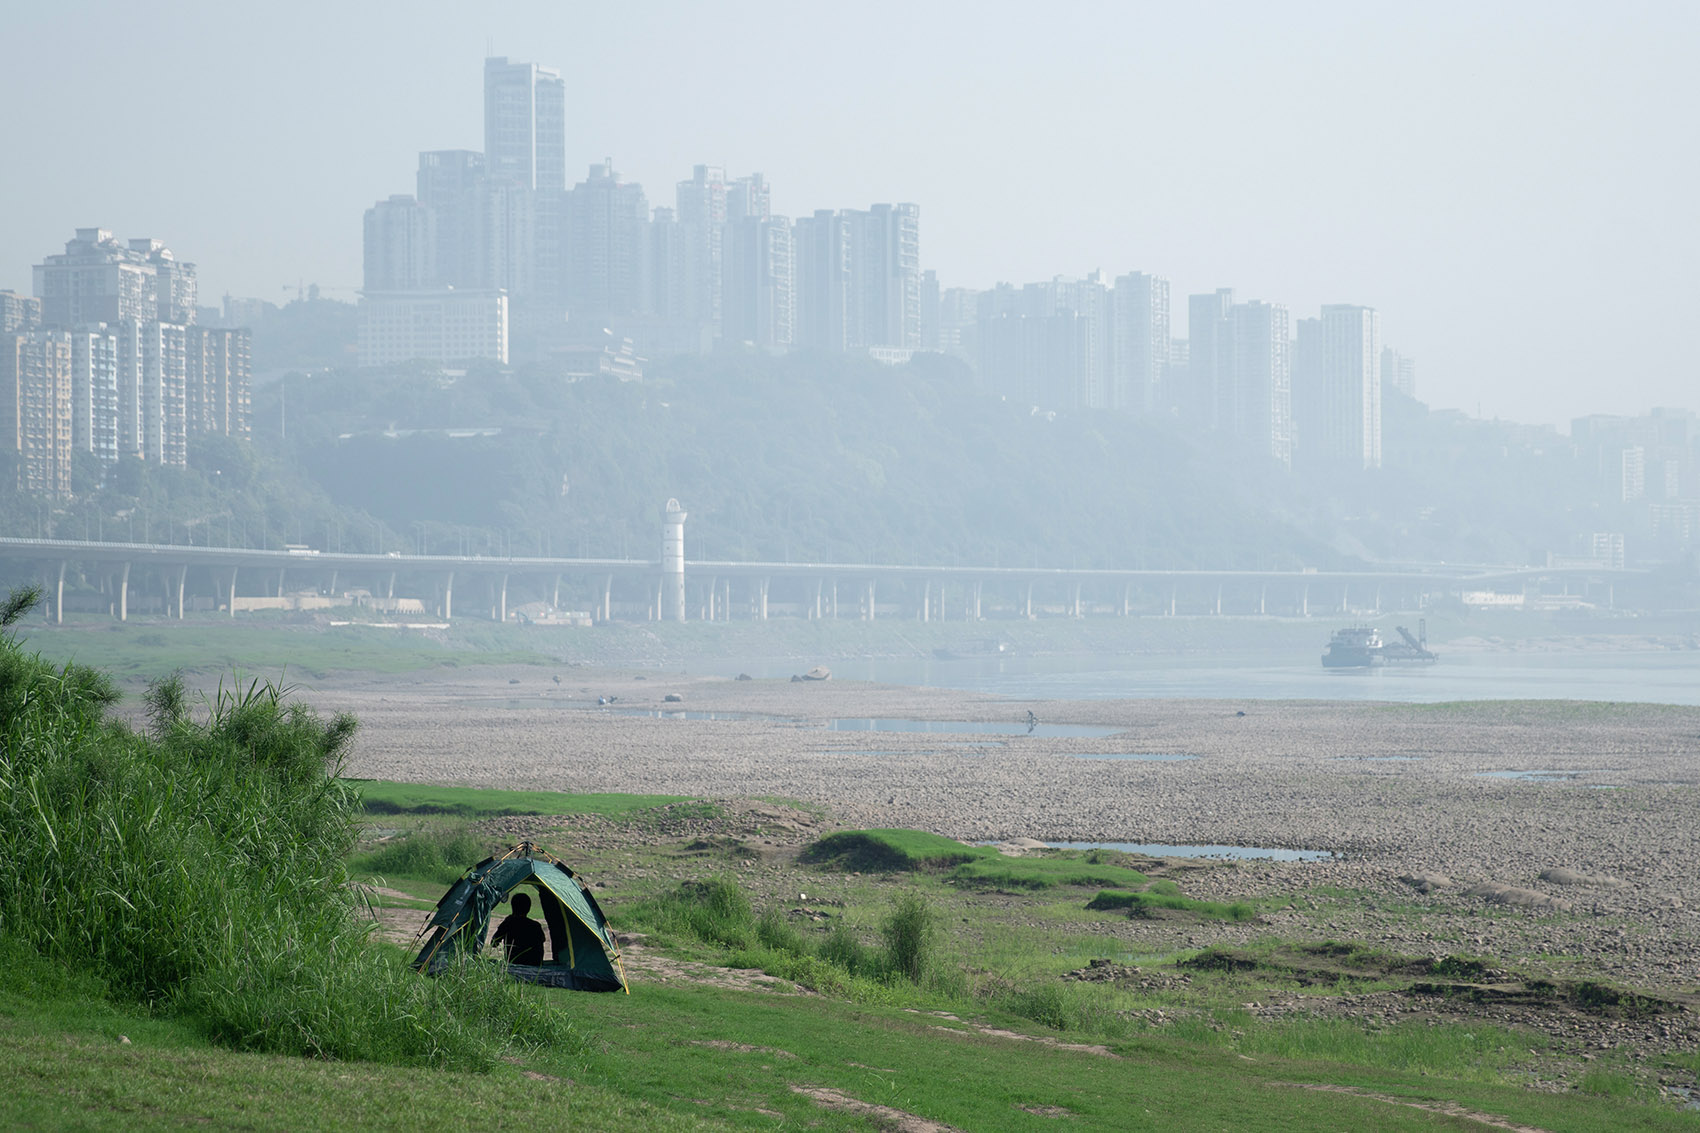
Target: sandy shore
1394,790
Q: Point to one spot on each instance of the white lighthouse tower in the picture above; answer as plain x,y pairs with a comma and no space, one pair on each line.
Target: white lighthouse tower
673,562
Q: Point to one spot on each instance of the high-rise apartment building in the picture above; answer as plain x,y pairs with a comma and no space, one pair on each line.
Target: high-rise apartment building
94,391
1258,407
758,290
1139,343
447,184
1207,400
823,257
525,125
18,313
1399,371
1337,380
400,245
859,279
884,302
701,215
35,408
99,280
218,380
607,238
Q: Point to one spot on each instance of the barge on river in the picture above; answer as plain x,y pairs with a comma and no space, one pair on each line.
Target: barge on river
1361,647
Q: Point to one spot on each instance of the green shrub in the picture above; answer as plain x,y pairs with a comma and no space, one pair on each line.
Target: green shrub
843,950
199,868
715,911
439,855
776,933
909,932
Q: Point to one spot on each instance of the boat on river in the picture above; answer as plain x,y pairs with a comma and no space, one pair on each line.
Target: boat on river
1361,647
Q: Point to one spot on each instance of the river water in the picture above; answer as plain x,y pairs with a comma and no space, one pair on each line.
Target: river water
1662,677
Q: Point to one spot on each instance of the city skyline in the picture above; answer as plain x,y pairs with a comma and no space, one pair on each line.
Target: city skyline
1510,220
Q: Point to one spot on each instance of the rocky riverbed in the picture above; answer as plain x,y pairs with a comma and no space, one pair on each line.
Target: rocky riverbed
1588,867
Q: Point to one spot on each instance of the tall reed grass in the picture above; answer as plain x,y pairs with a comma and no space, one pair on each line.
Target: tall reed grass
199,868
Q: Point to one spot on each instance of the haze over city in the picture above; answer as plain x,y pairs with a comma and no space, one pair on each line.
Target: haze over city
1505,187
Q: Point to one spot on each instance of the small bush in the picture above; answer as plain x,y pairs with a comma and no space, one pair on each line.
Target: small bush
715,911
842,950
909,933
776,933
439,855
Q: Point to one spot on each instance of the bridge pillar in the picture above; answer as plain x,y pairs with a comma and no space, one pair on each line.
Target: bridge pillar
449,597
232,592
1378,599
1127,600
761,599
389,587
59,596
607,597
978,586
1027,603
1076,612
1263,598
818,585
502,602
1345,597
182,576
1218,599
868,607
835,599
1172,589
332,591
1304,600
124,593
280,582
555,603
927,601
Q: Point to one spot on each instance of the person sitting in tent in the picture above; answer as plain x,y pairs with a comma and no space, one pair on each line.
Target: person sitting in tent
523,936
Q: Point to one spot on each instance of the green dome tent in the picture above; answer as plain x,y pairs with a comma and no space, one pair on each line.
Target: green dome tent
584,956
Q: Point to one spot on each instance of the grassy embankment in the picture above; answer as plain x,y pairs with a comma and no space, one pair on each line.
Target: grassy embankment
925,941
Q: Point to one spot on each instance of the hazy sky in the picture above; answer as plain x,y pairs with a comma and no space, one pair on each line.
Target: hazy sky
1512,185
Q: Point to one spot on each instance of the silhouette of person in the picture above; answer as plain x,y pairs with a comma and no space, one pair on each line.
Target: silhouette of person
522,935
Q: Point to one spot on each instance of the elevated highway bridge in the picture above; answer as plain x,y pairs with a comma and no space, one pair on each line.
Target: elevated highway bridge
171,579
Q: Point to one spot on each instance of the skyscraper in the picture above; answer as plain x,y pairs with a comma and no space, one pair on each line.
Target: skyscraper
607,234
883,305
1208,399
400,245
1261,383
99,280
758,293
447,184
702,227
35,408
1139,343
525,124
1338,388
823,257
